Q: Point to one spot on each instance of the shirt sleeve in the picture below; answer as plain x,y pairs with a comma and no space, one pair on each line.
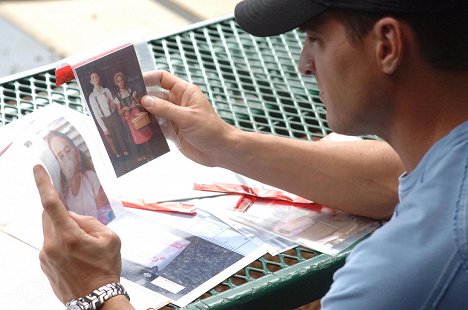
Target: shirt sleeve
97,114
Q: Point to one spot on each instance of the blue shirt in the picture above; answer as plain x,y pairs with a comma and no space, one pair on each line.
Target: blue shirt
419,259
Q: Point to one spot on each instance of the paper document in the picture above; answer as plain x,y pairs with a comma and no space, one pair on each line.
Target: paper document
324,229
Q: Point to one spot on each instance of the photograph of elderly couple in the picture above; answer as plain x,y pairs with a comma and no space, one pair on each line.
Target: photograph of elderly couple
113,87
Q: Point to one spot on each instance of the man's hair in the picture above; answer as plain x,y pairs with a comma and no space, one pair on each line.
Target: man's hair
94,71
442,36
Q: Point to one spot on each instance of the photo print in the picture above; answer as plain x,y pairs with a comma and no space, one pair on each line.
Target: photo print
65,155
113,86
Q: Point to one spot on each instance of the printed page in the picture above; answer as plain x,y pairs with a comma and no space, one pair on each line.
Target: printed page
208,251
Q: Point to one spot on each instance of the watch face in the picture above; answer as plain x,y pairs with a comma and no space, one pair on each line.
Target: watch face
75,305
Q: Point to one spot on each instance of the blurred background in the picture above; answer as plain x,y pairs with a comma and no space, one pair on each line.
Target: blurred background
35,33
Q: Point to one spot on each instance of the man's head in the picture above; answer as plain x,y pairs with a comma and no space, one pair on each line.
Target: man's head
440,26
370,57
94,78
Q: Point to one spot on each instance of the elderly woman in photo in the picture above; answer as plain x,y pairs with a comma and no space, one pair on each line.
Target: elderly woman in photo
130,110
80,188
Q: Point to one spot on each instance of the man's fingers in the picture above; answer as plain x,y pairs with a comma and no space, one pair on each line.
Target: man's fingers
152,78
89,224
102,234
162,108
167,81
47,227
51,203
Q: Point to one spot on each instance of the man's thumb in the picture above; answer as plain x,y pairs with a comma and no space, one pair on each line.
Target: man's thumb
160,107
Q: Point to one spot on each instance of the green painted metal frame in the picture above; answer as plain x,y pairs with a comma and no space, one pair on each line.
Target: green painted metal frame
287,288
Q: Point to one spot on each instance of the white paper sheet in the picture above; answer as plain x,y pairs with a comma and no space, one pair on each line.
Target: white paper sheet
222,206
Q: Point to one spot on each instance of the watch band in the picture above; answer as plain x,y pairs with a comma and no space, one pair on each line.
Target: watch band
96,298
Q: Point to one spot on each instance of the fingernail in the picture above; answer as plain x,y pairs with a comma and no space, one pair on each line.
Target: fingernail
147,101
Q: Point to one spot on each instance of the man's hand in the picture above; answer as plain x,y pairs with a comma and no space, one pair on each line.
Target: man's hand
79,253
203,135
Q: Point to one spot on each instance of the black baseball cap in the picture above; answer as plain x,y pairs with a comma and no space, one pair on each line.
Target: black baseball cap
272,17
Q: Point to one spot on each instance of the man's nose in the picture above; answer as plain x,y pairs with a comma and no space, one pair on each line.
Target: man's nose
306,61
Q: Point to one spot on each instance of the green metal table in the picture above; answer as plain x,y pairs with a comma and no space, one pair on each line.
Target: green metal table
253,83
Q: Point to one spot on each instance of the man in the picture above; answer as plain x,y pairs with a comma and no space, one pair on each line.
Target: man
383,67
107,115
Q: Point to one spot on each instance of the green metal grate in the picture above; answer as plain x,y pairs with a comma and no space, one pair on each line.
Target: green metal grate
24,95
253,84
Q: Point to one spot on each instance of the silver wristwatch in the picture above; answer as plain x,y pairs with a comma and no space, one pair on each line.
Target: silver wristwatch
96,298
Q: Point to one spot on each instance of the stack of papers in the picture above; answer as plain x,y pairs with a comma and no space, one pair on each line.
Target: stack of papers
167,257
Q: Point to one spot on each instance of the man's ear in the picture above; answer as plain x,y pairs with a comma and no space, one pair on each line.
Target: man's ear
390,46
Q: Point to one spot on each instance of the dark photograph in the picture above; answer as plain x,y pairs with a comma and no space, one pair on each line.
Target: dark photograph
113,87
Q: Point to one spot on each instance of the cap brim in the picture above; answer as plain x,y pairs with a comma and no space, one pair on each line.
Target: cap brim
272,17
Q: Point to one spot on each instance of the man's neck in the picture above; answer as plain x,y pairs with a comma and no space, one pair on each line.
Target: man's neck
430,109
